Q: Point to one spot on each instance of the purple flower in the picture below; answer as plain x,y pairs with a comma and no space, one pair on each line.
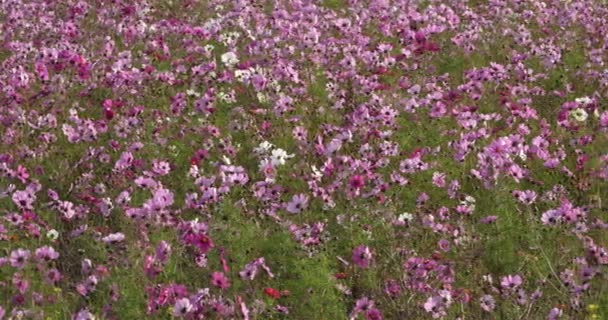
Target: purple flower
487,303
554,314
19,258
511,281
219,280
433,305
52,276
488,219
362,256
252,268
182,307
46,254
363,305
444,245
24,199
113,238
84,315
551,217
373,314
298,203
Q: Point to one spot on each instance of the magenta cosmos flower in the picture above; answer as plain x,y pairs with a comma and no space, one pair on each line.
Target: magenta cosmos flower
298,203
219,280
362,256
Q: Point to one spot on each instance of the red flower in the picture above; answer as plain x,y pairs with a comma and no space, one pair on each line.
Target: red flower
341,275
273,293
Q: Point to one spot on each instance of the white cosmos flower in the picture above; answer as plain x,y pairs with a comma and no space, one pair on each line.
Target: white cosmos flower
583,100
191,92
262,97
405,217
316,173
579,114
242,75
279,157
522,155
229,59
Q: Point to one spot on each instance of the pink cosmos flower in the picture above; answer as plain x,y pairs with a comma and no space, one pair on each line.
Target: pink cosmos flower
362,256
220,280
511,281
487,303
19,258
297,204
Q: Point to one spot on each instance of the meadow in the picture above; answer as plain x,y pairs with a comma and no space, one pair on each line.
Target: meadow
303,159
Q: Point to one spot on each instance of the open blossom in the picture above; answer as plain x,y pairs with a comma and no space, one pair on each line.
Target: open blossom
435,306
84,315
362,256
229,59
251,269
182,307
52,234
487,303
279,157
113,238
298,203
357,182
46,254
579,114
19,258
220,280
511,281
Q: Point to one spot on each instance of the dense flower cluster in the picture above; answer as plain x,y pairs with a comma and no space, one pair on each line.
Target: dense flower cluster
336,159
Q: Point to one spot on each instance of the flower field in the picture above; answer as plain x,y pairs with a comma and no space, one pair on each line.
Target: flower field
307,160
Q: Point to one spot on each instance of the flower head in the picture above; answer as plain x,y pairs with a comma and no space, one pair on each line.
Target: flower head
362,256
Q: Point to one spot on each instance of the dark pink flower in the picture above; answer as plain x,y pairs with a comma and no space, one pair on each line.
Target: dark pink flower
362,256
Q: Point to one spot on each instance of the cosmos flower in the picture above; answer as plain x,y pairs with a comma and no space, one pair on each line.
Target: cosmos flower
229,59
182,308
220,280
362,256
46,254
298,203
279,157
84,315
19,258
511,281
487,303
52,234
114,238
